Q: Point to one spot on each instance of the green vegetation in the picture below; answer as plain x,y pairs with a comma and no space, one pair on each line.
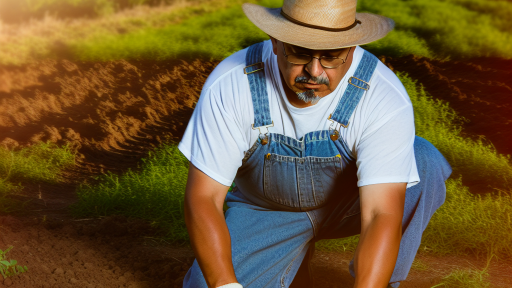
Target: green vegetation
444,29
467,278
52,37
217,28
37,163
470,224
441,29
214,35
9,267
155,193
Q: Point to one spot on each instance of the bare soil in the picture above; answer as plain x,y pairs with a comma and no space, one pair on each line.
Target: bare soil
479,89
112,114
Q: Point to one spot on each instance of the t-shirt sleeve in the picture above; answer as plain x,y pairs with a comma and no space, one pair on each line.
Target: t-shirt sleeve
385,151
213,141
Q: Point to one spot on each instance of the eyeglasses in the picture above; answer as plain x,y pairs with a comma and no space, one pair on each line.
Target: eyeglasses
326,61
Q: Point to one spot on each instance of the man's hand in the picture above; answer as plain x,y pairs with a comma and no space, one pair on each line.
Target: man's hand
209,235
382,208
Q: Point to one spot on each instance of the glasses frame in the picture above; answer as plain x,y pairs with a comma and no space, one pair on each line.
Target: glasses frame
319,58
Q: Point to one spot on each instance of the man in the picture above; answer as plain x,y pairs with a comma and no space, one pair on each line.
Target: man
318,136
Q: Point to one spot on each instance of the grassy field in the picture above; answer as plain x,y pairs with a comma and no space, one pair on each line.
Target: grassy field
437,29
417,32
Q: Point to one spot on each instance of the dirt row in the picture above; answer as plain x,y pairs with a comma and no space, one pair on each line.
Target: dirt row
480,90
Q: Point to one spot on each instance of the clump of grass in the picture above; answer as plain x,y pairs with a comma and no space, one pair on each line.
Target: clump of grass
467,278
348,244
38,163
154,193
419,265
470,224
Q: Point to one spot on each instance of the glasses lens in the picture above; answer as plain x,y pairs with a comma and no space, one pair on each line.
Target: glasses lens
331,62
299,59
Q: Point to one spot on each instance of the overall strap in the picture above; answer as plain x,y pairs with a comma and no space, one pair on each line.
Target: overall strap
358,84
258,85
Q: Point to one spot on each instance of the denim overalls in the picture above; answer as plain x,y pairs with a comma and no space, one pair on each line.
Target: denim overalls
289,191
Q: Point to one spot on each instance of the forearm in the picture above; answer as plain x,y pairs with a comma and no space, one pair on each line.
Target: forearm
377,251
210,240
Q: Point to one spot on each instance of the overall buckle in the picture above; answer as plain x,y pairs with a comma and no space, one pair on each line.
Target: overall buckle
364,88
260,67
264,140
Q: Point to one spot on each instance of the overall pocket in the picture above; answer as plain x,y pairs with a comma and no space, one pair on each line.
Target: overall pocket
301,183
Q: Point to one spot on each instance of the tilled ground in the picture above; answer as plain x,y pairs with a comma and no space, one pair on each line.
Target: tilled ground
113,113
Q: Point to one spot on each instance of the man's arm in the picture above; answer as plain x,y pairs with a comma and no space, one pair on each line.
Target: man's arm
382,208
209,235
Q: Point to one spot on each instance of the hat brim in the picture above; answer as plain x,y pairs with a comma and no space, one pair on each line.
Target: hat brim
373,27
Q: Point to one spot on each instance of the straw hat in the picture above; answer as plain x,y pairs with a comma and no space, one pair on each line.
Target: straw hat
319,24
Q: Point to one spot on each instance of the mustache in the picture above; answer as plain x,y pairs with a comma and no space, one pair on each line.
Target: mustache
321,79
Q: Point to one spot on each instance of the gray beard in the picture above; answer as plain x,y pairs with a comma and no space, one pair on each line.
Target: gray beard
308,96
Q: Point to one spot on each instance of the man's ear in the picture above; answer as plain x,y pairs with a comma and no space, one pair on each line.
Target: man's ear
274,44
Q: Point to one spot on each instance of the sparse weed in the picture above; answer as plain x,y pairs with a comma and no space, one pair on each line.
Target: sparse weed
467,278
9,267
419,265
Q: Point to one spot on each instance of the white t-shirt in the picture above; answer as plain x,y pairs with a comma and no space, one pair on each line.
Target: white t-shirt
380,134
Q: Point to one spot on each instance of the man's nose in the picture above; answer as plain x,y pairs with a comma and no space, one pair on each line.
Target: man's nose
314,68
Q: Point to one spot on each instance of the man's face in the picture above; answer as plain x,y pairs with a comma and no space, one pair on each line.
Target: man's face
311,81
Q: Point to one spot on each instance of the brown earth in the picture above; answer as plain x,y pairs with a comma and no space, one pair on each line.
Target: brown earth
113,113
480,90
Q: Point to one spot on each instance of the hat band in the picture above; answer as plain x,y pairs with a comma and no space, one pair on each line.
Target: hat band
319,27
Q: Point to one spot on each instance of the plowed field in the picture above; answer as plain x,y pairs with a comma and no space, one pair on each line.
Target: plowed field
114,113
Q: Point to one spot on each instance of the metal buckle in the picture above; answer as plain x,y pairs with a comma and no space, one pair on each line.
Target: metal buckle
334,122
265,126
256,70
367,84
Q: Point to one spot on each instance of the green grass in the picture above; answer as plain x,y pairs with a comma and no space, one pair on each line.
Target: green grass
215,29
470,224
52,37
214,35
38,163
444,29
467,278
154,194
439,29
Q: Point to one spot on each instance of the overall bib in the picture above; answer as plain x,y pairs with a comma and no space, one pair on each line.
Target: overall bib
291,191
